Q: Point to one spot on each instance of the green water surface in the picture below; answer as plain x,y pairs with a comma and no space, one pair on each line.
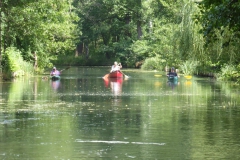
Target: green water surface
81,116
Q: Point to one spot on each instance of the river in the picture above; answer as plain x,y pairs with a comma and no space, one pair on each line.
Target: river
81,116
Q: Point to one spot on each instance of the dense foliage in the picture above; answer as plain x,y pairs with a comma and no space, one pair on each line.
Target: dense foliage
97,32
218,13
44,28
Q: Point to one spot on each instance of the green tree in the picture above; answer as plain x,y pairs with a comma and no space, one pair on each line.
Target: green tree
220,27
45,28
170,34
220,13
0,37
109,27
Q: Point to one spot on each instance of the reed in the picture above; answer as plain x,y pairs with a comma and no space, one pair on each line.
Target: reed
188,67
14,64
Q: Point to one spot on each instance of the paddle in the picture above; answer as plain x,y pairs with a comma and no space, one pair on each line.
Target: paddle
106,76
64,69
124,74
45,77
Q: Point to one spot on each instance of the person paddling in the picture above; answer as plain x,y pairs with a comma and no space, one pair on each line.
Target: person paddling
116,67
172,73
55,72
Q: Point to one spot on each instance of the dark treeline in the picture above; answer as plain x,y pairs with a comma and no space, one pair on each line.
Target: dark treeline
196,36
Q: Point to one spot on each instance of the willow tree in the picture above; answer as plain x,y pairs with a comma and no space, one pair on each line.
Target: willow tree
221,30
163,31
186,30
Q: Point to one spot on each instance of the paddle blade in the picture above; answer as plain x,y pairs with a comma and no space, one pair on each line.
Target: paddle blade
67,67
106,76
125,76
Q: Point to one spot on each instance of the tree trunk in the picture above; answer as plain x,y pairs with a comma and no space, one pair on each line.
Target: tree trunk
150,26
87,51
35,61
127,21
0,36
79,49
139,15
6,40
139,29
76,52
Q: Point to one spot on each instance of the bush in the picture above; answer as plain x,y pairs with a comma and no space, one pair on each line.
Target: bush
188,67
14,65
153,63
229,72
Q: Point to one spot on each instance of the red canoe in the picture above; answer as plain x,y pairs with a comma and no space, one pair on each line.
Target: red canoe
115,81
116,74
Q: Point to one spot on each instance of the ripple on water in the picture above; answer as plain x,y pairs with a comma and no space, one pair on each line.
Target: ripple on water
119,142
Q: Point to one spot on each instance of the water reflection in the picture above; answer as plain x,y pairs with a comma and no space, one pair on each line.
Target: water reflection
157,84
115,84
118,142
124,119
55,84
173,84
116,88
188,83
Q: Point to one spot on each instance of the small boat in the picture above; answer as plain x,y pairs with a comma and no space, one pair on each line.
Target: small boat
112,81
55,77
172,78
116,74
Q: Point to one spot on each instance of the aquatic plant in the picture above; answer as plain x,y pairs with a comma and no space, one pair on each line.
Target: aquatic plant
188,67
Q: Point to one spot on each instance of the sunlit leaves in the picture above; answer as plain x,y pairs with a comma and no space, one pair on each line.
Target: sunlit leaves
46,27
14,63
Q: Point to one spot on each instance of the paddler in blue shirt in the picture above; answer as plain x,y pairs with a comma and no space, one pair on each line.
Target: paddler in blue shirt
172,73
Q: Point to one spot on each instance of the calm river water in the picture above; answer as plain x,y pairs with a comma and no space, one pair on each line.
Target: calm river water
144,117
